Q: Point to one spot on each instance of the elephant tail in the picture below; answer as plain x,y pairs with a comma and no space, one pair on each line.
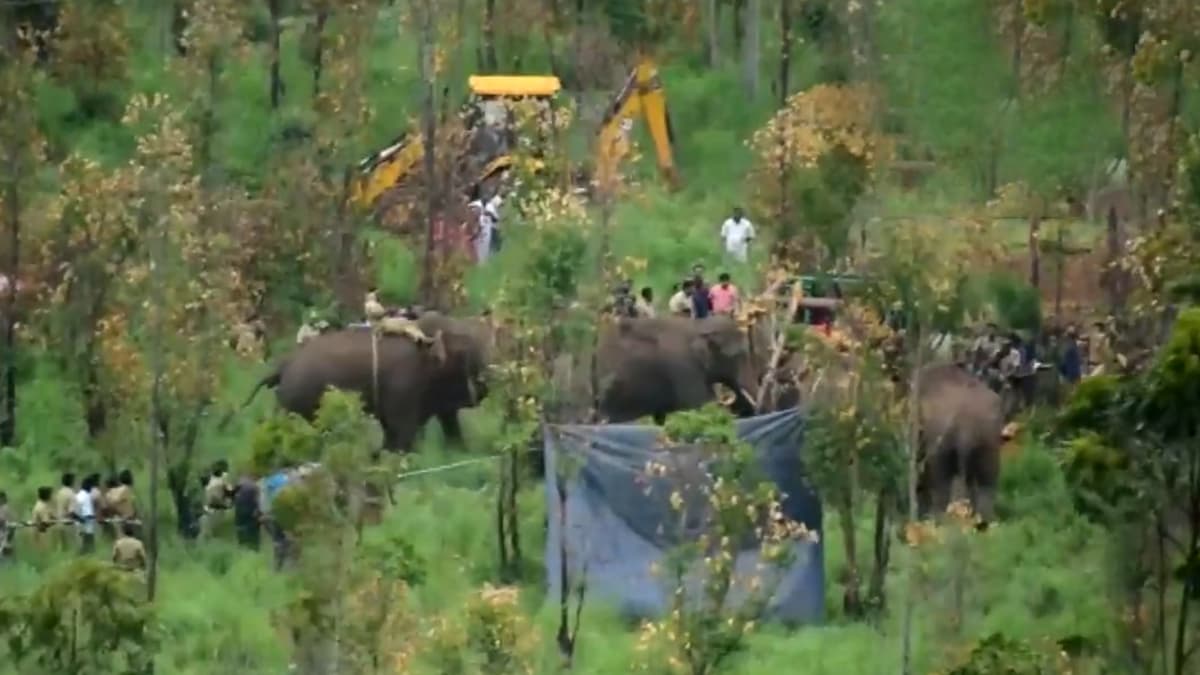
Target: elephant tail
270,380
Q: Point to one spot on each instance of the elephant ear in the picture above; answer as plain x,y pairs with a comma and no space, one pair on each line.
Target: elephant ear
702,348
723,338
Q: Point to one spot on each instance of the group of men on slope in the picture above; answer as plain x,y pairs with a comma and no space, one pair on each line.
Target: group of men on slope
73,513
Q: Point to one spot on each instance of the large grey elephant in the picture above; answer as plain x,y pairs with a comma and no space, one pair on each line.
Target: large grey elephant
653,367
961,424
402,385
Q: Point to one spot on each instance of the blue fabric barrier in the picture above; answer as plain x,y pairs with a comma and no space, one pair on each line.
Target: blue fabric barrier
620,524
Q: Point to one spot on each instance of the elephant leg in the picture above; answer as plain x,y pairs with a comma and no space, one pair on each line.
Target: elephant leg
982,474
400,432
451,427
940,469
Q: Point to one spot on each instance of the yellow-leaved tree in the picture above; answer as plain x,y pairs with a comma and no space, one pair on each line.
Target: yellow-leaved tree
813,160
168,327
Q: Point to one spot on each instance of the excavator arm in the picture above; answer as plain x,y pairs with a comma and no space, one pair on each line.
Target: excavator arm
642,94
384,169
390,166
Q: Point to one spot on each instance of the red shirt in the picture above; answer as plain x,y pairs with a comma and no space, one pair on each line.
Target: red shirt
723,297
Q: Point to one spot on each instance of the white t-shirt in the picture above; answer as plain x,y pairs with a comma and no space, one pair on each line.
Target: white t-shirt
85,509
737,235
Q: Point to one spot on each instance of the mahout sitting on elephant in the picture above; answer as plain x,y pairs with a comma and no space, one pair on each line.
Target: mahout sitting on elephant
402,381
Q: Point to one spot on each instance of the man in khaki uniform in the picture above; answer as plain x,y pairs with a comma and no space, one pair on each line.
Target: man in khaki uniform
64,505
120,499
1100,351
128,552
373,310
42,516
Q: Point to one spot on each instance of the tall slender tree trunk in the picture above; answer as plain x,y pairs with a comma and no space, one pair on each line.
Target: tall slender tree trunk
491,61
1113,252
157,414
739,26
1035,258
752,20
785,50
1060,255
1018,52
428,114
712,27
914,439
12,201
276,85
319,49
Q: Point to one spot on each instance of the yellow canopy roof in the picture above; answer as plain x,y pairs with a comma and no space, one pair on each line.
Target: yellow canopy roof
514,85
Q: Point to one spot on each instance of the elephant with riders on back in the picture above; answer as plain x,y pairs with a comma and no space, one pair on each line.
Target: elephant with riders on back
646,367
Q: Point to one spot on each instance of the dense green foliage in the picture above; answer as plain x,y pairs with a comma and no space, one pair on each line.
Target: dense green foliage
169,174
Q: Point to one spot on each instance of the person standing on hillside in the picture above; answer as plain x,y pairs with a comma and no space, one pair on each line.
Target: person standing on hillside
492,211
680,303
737,232
129,555
1070,362
724,296
42,517
701,304
645,303
84,512
64,506
246,514
483,231
8,527
373,309
121,498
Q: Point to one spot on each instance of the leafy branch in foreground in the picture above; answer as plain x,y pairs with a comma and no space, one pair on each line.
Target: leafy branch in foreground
740,510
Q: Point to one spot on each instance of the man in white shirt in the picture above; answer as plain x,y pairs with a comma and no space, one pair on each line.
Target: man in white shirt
492,211
85,514
483,235
737,232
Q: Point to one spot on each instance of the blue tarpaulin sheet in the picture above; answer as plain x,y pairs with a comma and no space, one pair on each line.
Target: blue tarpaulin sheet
620,525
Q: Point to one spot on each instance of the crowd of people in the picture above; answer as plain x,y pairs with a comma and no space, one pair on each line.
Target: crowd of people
1009,361
71,516
692,297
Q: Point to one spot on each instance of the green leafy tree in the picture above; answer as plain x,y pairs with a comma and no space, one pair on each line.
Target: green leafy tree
91,55
738,508
88,618
1143,479
21,149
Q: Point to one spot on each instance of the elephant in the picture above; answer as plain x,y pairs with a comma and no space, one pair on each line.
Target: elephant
962,426
413,383
657,366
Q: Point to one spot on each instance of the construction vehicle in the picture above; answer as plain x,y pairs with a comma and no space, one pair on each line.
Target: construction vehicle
491,132
642,93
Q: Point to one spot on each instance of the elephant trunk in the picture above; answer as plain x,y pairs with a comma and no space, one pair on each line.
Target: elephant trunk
743,403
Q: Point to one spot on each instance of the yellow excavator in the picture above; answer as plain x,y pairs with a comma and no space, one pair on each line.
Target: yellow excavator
642,93
384,169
